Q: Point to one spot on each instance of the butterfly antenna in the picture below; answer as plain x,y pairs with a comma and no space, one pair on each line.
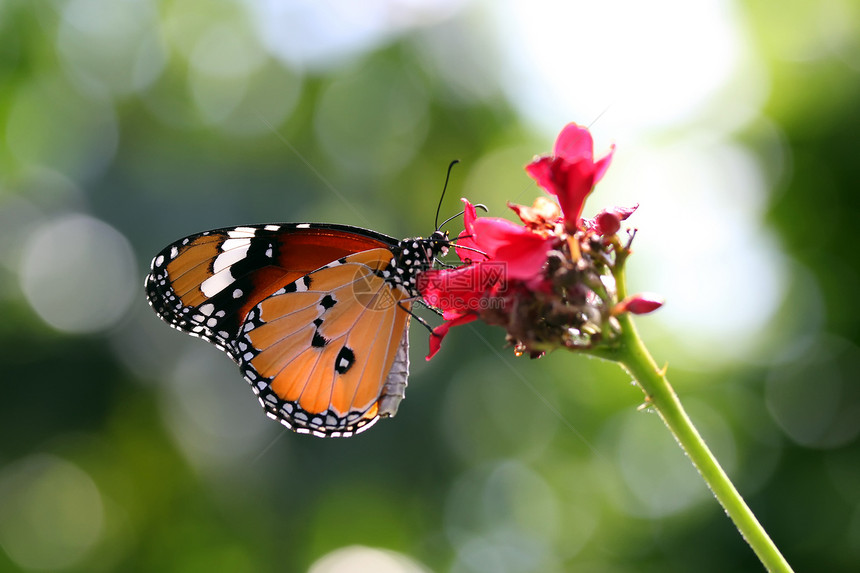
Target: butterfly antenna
480,206
439,206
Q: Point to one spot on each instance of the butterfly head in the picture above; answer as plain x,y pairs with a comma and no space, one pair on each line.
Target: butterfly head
437,244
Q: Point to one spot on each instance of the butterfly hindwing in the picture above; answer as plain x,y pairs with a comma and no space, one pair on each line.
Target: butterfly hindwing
206,284
328,353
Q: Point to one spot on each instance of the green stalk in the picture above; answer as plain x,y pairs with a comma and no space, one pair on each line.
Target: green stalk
632,355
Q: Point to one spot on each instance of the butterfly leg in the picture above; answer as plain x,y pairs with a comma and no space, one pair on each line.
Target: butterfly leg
420,320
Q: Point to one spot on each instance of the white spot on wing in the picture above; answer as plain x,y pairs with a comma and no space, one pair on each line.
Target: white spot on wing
272,227
216,283
240,232
303,226
236,243
234,251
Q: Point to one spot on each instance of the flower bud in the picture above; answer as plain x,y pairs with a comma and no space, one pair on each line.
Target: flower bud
641,303
608,221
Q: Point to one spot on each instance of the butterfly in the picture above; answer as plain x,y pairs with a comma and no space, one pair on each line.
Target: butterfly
315,315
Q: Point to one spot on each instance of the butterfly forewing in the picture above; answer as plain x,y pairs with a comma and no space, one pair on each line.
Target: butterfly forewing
207,283
320,350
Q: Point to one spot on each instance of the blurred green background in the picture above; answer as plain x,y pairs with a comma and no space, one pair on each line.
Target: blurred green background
126,446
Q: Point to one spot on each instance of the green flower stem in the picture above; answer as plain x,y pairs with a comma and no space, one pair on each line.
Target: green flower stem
632,355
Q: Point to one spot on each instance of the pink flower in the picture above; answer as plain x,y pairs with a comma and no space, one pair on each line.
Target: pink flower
495,251
571,172
545,280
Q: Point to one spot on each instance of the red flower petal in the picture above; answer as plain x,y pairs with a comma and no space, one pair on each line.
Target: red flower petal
602,165
571,183
575,180
525,259
541,171
442,330
457,290
522,251
467,237
574,143
431,285
491,233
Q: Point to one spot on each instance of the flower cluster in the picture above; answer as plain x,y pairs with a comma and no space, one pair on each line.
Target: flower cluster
550,282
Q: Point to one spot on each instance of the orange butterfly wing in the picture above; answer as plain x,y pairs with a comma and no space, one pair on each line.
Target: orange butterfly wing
328,353
207,283
316,315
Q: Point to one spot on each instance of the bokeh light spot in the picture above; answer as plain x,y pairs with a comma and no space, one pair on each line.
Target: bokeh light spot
659,478
702,201
269,97
357,558
216,97
502,517
71,134
390,128
79,273
211,411
839,23
580,61
17,217
51,513
484,411
304,34
222,61
225,51
110,47
814,397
